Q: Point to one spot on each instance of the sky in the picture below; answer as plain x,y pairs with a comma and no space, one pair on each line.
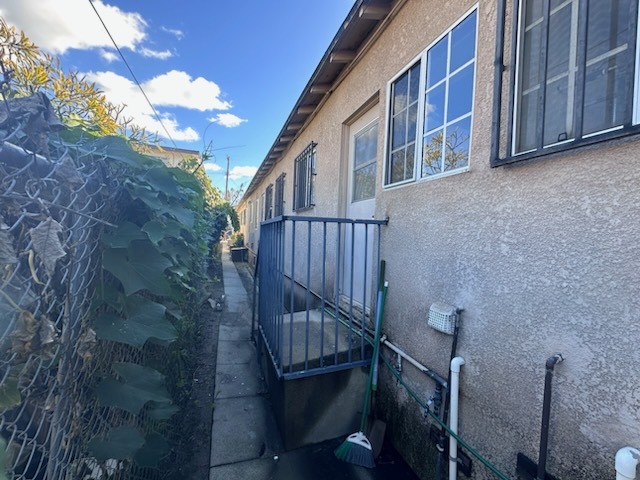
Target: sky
221,74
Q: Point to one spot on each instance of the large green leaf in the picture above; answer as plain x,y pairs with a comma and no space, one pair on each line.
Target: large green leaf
118,148
157,230
139,267
187,180
126,233
154,449
161,205
161,179
177,249
140,385
9,393
121,443
144,320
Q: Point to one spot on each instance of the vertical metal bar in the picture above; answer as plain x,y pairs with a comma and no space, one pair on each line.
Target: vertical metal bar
512,77
293,286
351,267
631,49
308,298
497,82
323,291
282,230
337,291
542,93
581,62
364,288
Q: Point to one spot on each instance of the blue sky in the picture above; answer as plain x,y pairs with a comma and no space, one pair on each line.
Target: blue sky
231,68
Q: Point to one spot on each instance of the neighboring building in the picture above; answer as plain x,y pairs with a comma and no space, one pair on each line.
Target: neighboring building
500,138
171,156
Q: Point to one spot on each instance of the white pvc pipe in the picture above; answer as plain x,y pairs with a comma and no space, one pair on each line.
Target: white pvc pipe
456,363
627,460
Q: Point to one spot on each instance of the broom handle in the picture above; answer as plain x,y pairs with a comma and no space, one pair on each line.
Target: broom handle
376,345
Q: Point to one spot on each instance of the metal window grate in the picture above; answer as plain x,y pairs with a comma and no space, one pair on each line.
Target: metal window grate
278,207
303,178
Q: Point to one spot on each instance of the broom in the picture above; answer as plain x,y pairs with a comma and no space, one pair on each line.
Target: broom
356,449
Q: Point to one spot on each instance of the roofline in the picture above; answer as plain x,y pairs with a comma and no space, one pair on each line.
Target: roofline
360,9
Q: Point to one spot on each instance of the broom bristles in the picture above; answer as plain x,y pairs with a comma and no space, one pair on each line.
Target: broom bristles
357,450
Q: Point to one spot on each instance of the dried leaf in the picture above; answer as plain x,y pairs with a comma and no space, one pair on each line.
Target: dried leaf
86,344
49,338
7,252
47,244
22,337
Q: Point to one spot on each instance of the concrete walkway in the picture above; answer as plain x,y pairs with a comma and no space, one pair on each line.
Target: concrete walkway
245,443
244,437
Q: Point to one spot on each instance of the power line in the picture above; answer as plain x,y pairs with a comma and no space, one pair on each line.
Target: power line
133,75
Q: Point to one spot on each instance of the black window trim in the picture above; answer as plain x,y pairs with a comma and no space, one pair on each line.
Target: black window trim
625,130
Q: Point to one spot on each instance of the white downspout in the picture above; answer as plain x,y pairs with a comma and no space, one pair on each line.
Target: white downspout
627,460
456,363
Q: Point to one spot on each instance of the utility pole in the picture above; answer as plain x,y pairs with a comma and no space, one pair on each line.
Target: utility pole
226,183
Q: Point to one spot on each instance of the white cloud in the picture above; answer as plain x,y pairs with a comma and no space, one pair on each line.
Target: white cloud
58,26
108,56
242,172
179,34
212,167
161,55
228,120
172,89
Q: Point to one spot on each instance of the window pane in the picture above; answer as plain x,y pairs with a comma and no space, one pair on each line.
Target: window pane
397,167
456,147
605,93
412,115
408,164
460,93
400,93
533,11
560,42
437,62
414,83
528,122
432,154
530,58
434,108
364,182
463,42
607,26
366,146
558,119
399,135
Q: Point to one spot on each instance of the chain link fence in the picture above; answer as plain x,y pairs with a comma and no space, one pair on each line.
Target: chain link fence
55,202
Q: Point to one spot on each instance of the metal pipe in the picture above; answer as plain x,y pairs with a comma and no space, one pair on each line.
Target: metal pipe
456,363
627,460
429,373
546,411
498,70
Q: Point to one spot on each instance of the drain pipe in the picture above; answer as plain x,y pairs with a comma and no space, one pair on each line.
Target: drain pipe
456,363
546,411
627,460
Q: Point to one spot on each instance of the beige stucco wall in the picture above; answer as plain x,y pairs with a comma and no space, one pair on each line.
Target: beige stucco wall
543,256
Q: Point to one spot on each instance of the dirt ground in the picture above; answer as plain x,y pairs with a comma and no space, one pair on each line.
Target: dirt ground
205,373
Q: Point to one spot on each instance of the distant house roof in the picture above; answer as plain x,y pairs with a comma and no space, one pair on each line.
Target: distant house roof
170,155
365,18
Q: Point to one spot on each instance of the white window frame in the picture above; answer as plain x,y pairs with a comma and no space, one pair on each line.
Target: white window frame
420,134
635,77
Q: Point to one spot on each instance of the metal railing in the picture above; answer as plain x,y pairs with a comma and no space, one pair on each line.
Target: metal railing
316,283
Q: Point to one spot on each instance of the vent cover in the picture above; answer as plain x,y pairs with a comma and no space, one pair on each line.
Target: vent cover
442,317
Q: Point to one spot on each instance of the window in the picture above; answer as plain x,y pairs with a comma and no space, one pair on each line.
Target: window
575,71
268,202
364,163
303,178
431,109
278,207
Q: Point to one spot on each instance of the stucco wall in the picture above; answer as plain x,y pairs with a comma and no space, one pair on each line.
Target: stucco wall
543,256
